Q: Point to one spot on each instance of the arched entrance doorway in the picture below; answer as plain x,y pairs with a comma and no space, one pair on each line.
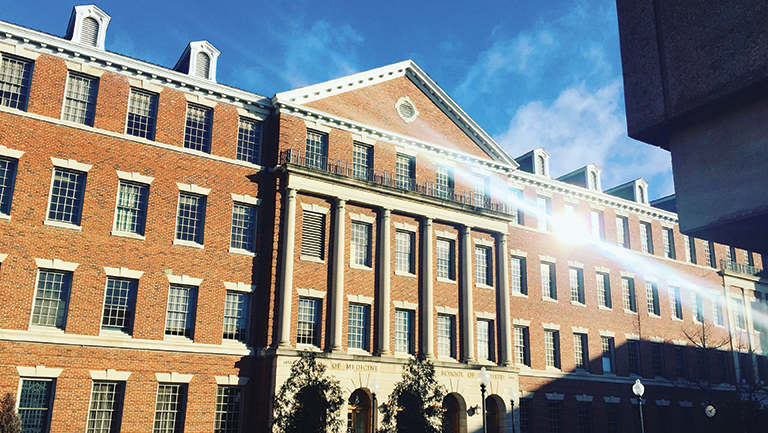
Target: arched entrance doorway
309,415
496,414
455,414
359,412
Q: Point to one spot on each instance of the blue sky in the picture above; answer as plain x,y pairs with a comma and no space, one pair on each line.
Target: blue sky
531,73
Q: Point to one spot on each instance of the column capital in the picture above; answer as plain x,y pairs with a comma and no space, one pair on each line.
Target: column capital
341,201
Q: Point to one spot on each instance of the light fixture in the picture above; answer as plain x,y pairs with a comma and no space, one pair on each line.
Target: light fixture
483,378
375,387
639,389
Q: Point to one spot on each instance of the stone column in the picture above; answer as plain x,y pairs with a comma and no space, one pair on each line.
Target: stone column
337,282
427,299
384,281
286,284
505,328
467,310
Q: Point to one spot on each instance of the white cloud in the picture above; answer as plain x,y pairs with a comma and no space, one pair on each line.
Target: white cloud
582,127
319,53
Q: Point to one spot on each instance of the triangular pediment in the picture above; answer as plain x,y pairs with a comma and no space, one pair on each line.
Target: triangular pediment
401,99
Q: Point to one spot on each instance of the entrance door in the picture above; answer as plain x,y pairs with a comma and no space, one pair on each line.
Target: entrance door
359,413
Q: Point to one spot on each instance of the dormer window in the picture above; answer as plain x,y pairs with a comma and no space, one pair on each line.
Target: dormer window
88,26
592,180
640,194
199,60
541,165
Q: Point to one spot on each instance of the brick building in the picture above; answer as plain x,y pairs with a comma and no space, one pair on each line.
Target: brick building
169,244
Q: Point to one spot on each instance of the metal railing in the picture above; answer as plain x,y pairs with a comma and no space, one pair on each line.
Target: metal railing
321,163
741,268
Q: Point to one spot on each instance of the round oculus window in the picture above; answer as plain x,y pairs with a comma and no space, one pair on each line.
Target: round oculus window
406,109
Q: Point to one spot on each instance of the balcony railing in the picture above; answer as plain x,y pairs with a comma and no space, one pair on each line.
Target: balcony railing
321,163
741,268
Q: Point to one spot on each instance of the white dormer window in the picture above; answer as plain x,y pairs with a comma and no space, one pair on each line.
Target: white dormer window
593,178
540,162
540,165
641,194
88,26
199,60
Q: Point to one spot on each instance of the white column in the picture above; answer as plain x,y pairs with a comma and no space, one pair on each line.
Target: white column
505,334
467,310
384,281
337,282
427,301
286,284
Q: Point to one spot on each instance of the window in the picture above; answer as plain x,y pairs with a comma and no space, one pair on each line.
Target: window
191,217
480,193
675,306
80,101
603,290
544,206
646,238
7,180
746,369
243,227
748,259
67,196
446,336
119,304
105,413
404,331
569,210
522,346
598,225
180,319
738,314
249,141
576,278
690,249
730,254
702,364
142,114
613,416
585,416
696,307
15,74
663,415
541,165
197,133
483,266
518,281
236,306
709,254
580,352
548,286
725,372
628,294
362,161
633,356
552,348
681,362
405,171
444,182
668,238
228,408
51,298
657,351
622,228
313,235
652,295
89,34
444,253
34,405
360,244
555,416
358,326
609,364
316,150
404,254
526,415
485,341
308,322
717,310
131,209
515,208
170,408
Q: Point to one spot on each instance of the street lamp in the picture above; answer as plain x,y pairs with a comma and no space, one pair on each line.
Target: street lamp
374,408
512,400
483,379
639,389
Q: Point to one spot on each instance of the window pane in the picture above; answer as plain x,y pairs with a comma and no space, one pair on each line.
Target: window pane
80,101
403,331
197,133
248,141
189,224
404,260
34,404
15,74
131,208
169,409
106,404
236,316
119,302
243,227
51,299
316,149
444,258
360,249
482,266
181,311
362,161
445,335
358,325
307,322
7,178
404,171
228,404
142,112
67,196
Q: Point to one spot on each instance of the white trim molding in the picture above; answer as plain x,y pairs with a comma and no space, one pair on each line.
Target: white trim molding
360,299
584,398
11,153
602,270
109,374
134,177
447,310
405,305
311,293
555,396
604,333
612,399
185,280
362,218
551,326
123,273
575,264
56,264
483,242
231,380
239,287
407,227
39,371
245,198
518,253
317,126
3,257
485,315
314,208
70,164
192,188
547,259
579,330
521,322
174,377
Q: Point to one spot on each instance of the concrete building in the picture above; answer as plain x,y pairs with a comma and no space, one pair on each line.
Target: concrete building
168,246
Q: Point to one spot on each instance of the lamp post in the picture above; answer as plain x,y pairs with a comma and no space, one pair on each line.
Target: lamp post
512,401
639,389
375,408
483,378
